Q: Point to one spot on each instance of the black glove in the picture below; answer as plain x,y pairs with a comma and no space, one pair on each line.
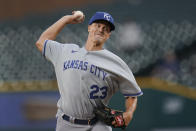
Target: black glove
108,115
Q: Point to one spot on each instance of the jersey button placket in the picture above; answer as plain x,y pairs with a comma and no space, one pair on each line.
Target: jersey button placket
83,57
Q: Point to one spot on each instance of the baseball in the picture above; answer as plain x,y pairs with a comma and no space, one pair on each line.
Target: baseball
79,13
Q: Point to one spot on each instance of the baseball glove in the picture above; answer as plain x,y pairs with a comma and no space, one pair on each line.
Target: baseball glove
108,115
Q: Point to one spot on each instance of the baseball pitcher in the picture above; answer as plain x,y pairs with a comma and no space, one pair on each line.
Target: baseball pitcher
89,76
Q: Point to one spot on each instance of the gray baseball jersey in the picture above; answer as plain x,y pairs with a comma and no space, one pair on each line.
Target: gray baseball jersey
87,79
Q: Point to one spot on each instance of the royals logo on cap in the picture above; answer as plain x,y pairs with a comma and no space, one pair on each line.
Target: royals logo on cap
107,16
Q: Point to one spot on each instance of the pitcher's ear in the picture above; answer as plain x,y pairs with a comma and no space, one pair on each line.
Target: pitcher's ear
89,26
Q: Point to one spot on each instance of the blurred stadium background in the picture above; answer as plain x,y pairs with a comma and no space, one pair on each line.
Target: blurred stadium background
156,38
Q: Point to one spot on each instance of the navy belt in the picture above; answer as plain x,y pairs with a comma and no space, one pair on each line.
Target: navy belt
79,121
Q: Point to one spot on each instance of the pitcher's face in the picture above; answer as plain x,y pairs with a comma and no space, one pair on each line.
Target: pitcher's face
99,31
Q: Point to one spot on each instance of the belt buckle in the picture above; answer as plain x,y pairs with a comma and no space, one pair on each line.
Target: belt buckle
72,119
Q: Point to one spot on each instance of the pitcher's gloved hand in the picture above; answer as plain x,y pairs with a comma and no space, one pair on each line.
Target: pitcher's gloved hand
110,116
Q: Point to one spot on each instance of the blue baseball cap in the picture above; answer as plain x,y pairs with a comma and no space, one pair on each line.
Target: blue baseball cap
103,16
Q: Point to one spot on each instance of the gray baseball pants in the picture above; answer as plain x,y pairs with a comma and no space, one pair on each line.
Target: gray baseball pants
63,125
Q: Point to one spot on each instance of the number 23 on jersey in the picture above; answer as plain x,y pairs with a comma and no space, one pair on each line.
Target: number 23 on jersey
97,92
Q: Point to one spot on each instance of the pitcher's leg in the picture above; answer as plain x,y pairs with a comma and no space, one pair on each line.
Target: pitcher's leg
99,126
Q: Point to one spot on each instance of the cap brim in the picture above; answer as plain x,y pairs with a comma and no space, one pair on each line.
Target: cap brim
112,27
